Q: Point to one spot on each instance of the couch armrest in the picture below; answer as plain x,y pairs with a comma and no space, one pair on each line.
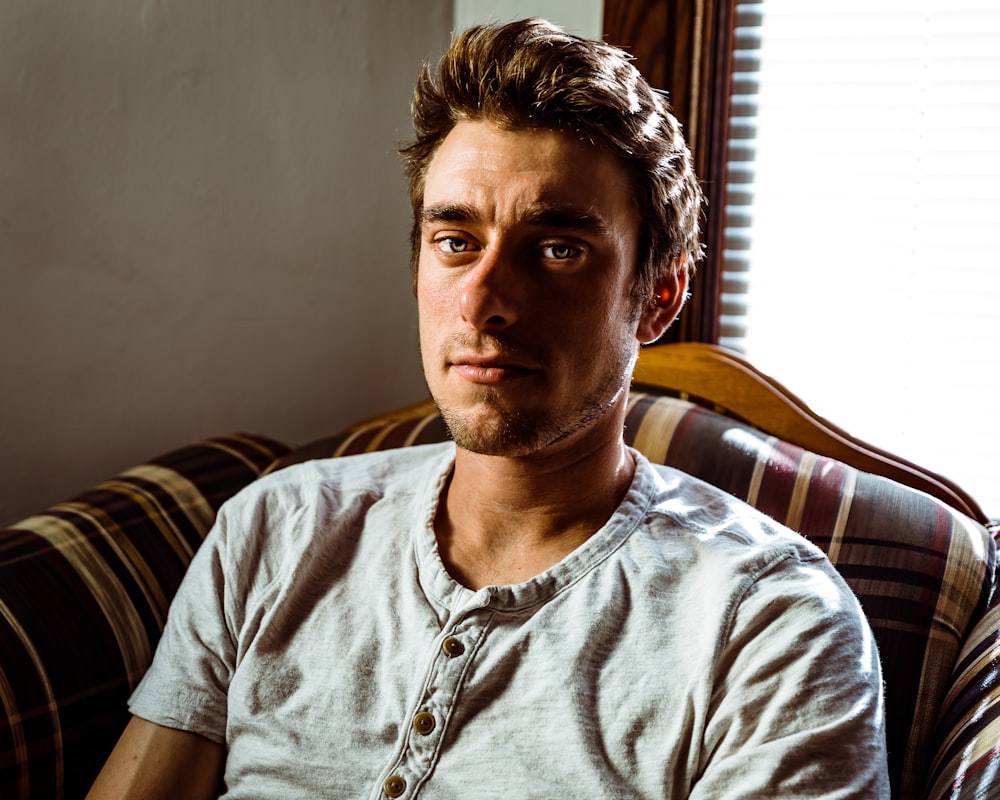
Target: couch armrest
967,763
84,592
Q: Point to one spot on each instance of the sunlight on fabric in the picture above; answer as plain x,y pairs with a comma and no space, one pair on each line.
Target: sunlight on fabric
874,283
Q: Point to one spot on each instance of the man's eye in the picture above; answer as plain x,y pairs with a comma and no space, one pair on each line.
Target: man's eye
558,252
451,244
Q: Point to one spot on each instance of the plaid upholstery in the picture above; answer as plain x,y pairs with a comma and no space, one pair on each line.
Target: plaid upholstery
922,572
967,764
84,591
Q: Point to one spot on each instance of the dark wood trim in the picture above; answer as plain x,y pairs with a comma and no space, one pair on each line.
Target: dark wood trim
686,47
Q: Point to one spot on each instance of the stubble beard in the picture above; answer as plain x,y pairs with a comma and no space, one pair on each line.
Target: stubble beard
492,428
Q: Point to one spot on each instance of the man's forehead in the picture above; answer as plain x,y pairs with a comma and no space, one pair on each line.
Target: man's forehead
471,136
481,145
538,176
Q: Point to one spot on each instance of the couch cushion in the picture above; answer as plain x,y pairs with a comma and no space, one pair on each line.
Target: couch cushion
921,570
84,591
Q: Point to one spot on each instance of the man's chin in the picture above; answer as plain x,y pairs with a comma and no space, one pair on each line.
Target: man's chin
489,426
493,432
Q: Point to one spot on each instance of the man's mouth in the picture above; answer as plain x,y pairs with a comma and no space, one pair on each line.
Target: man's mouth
490,370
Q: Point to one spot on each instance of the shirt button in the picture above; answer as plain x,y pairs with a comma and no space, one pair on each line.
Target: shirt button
452,647
424,722
394,786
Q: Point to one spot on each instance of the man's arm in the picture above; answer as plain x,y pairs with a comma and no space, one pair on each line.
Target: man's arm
153,762
798,709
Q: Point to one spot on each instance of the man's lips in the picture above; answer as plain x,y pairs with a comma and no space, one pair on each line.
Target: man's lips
490,369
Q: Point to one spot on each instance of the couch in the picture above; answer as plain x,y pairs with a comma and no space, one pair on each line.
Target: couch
85,586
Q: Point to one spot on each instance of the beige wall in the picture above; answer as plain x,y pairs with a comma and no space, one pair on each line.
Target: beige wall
202,226
582,17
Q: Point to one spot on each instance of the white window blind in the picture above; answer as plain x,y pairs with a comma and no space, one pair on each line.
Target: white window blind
740,175
862,263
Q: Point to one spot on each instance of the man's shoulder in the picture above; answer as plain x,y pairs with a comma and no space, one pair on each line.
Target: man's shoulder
362,469
712,520
332,483
704,536
390,465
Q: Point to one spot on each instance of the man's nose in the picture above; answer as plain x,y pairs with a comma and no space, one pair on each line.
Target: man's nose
489,293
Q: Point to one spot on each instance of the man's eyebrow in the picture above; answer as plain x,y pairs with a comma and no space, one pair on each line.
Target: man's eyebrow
541,214
447,212
552,215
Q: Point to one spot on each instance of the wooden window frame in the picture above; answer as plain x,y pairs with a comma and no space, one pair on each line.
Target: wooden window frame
686,47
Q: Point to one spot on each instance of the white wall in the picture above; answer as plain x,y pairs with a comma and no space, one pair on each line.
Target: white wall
582,17
202,226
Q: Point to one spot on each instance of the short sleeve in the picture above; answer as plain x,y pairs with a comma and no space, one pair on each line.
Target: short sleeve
798,706
187,684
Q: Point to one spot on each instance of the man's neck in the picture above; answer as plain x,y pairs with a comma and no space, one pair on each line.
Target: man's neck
505,520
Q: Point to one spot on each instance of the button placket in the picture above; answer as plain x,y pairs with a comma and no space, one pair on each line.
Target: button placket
445,675
440,692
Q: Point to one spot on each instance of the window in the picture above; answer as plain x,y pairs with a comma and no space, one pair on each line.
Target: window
862,262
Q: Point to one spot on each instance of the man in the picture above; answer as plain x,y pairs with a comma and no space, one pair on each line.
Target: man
533,611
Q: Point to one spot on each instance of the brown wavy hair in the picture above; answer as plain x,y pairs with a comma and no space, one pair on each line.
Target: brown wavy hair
532,74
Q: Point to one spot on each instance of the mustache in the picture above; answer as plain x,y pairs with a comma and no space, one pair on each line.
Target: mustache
492,345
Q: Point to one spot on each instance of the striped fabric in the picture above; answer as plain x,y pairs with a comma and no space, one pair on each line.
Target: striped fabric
84,591
967,765
922,572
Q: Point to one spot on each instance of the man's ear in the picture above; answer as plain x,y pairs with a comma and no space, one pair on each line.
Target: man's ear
663,307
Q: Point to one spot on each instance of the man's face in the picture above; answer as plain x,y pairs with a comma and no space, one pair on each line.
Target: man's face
529,241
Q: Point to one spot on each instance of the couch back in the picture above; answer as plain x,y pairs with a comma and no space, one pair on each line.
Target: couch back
84,591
